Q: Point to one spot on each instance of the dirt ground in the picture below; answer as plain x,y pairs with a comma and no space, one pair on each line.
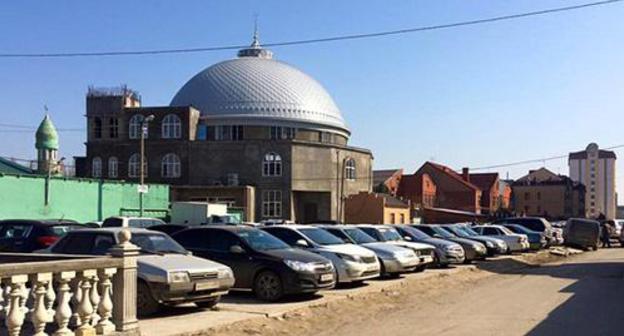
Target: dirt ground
362,309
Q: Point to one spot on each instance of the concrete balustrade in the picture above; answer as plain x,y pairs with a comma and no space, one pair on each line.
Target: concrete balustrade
69,295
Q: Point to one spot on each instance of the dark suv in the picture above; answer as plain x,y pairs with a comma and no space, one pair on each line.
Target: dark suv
260,261
22,235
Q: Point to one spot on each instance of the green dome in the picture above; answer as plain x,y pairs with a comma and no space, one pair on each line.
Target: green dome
46,136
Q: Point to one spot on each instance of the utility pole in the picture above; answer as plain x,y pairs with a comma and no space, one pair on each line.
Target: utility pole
142,189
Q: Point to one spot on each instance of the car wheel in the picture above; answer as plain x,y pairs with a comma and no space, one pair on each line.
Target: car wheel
146,304
420,268
208,304
268,286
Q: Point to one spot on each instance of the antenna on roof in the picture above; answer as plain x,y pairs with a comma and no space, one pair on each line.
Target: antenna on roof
256,39
45,108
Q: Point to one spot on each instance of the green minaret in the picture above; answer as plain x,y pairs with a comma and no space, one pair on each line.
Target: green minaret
47,144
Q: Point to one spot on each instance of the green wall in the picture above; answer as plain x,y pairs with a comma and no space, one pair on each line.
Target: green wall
23,196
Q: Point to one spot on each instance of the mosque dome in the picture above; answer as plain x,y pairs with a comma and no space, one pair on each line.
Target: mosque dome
255,89
46,136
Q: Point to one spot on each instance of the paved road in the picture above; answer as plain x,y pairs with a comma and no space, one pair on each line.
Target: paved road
583,296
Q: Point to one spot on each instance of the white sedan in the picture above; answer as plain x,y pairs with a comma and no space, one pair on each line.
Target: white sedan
515,241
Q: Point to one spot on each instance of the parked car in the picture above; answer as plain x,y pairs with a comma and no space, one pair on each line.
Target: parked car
394,259
131,222
352,263
388,234
536,239
494,245
473,250
169,229
538,224
446,252
260,261
25,236
515,242
583,233
167,273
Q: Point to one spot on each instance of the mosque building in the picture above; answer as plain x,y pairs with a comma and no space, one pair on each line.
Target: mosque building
253,132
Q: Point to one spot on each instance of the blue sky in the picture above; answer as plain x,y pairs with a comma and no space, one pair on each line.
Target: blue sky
472,96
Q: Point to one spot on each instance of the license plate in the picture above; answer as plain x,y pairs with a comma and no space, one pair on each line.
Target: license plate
200,286
327,277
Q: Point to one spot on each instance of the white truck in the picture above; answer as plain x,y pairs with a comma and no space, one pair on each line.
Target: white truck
198,213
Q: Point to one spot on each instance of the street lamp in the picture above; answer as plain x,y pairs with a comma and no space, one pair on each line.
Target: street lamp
142,190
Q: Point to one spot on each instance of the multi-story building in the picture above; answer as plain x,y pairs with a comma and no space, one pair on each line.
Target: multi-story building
489,185
253,132
595,168
546,194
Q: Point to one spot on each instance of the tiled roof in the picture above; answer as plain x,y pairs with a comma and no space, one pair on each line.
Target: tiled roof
380,176
484,181
10,167
450,172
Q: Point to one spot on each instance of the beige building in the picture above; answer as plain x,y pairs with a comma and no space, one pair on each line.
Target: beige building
373,208
545,194
595,168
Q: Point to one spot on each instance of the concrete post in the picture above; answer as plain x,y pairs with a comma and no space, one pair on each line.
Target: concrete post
125,285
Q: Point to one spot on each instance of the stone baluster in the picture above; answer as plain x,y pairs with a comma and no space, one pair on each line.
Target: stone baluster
95,300
125,285
105,308
75,301
39,314
3,302
15,314
63,310
85,308
50,297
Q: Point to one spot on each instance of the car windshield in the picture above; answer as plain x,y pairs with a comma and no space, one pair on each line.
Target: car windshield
156,243
390,234
457,230
442,232
14,231
261,241
321,236
62,230
469,231
518,228
415,233
506,230
359,236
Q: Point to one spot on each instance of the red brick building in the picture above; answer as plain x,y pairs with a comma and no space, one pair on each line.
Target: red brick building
489,185
435,185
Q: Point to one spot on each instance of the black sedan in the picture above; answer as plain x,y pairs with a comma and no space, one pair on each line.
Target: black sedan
21,235
260,261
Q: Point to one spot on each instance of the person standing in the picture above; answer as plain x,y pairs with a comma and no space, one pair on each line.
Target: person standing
605,234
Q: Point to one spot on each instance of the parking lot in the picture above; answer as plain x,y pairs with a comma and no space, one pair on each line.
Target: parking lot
240,313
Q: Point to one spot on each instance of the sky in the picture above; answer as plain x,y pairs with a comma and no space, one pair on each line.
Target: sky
466,97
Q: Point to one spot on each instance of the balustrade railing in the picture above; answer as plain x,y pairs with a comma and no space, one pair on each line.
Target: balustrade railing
70,295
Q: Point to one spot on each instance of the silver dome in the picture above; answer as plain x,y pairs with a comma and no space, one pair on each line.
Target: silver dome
255,89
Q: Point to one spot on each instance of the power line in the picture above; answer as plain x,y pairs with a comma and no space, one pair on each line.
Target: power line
315,40
519,163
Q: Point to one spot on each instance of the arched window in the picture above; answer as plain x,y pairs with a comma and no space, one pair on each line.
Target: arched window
133,166
134,127
96,167
97,128
113,165
170,166
171,127
272,165
350,169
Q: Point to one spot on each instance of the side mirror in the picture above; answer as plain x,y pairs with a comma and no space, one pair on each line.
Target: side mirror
301,243
408,238
237,249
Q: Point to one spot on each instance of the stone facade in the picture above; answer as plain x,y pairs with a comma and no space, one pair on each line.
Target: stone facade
313,182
